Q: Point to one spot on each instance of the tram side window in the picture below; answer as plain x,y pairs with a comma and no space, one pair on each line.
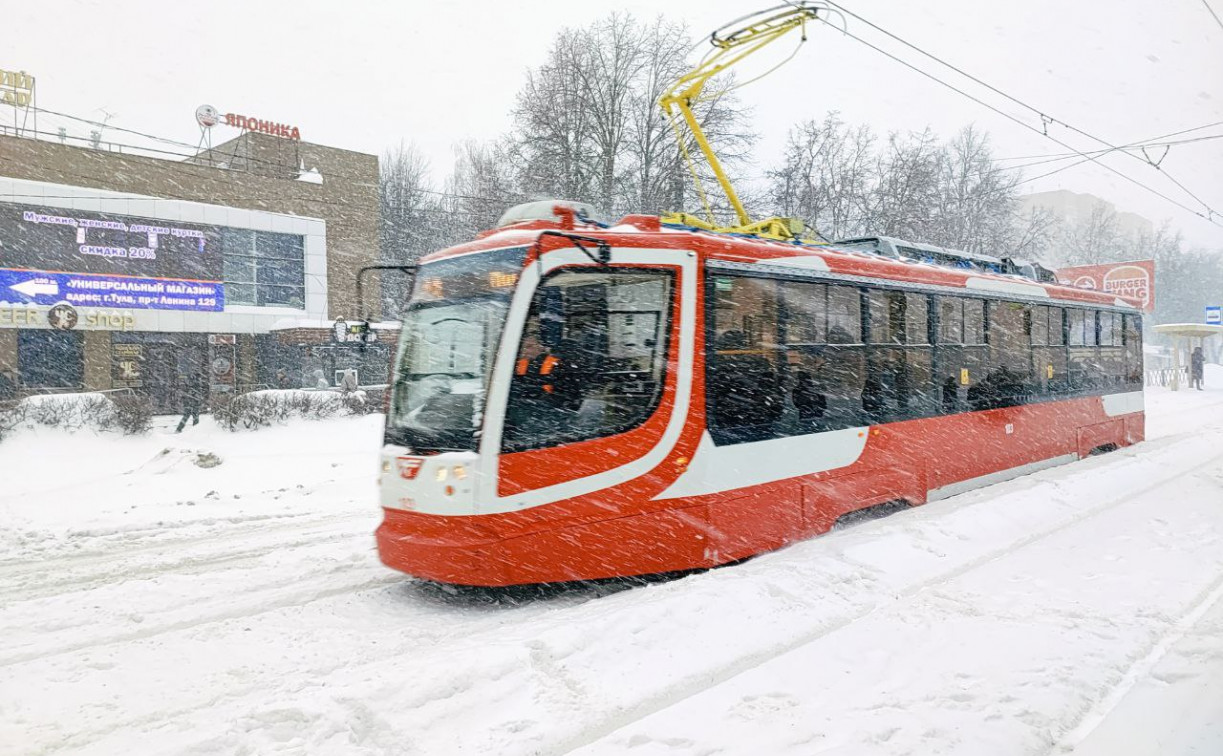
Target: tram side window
844,315
1057,326
592,358
898,382
824,375
950,320
974,321
961,352
1132,336
1084,373
1048,350
1007,381
785,358
1112,350
744,378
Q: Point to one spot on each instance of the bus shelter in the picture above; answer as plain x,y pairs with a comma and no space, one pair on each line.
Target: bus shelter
1187,336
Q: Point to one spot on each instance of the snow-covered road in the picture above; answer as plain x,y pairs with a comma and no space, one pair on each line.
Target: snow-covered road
149,605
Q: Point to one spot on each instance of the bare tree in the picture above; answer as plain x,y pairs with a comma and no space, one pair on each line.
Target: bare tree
588,126
826,176
1034,234
974,198
407,219
903,198
405,204
481,187
1092,239
553,123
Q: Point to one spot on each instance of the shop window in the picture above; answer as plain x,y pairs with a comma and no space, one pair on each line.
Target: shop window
263,268
51,359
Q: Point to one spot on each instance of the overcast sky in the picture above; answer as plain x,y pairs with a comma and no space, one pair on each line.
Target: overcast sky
366,74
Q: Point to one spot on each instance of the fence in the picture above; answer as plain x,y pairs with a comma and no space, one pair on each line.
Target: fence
1163,376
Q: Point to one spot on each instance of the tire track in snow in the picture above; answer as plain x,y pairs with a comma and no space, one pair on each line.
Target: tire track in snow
253,604
697,684
247,703
35,583
1096,715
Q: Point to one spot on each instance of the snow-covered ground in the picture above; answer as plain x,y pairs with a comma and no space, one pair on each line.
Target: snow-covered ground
149,605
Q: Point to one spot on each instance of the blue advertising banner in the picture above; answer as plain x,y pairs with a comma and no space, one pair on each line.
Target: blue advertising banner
38,287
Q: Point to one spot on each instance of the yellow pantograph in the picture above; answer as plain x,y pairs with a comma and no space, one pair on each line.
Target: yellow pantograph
729,49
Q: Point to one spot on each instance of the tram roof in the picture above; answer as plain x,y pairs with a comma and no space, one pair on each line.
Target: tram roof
780,257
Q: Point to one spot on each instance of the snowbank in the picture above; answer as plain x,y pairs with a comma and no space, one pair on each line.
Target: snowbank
263,408
1038,616
64,411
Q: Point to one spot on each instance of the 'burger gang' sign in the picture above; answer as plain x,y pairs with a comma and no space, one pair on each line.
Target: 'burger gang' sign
1132,280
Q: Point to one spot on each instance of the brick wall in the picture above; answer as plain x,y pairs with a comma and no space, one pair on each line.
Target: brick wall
347,199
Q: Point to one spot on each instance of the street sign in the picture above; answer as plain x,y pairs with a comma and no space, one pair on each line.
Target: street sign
1214,315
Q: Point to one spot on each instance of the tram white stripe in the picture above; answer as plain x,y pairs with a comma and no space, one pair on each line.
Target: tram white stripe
1007,287
724,468
963,486
1122,404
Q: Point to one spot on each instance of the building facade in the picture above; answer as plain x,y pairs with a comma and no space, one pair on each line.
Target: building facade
122,271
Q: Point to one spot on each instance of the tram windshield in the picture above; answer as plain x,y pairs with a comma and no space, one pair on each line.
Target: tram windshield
446,350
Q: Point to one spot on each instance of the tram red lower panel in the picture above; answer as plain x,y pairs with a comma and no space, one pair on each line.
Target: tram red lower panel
902,461
663,541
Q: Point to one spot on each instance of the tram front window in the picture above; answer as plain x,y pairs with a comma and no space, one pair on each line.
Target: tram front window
592,357
449,339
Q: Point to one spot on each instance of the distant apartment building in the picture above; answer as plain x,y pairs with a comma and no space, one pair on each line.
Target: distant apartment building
1073,207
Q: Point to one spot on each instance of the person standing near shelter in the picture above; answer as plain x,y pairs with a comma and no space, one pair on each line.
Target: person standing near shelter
190,397
1197,367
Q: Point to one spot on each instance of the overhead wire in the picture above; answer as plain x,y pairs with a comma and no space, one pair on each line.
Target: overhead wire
1208,215
1213,14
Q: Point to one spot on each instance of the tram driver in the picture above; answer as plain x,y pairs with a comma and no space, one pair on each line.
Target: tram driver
546,393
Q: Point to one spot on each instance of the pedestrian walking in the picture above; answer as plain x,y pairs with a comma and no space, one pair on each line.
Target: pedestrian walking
282,379
1197,368
190,398
8,387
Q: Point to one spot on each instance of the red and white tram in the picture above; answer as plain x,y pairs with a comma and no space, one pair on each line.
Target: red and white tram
572,401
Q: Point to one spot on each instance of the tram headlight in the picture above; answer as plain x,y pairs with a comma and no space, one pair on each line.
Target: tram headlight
459,471
442,474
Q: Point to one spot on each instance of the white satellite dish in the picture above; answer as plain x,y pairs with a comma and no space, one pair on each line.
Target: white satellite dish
207,116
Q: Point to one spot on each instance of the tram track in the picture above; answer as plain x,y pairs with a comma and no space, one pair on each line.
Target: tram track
711,678
416,637
256,600
247,701
121,560
34,584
